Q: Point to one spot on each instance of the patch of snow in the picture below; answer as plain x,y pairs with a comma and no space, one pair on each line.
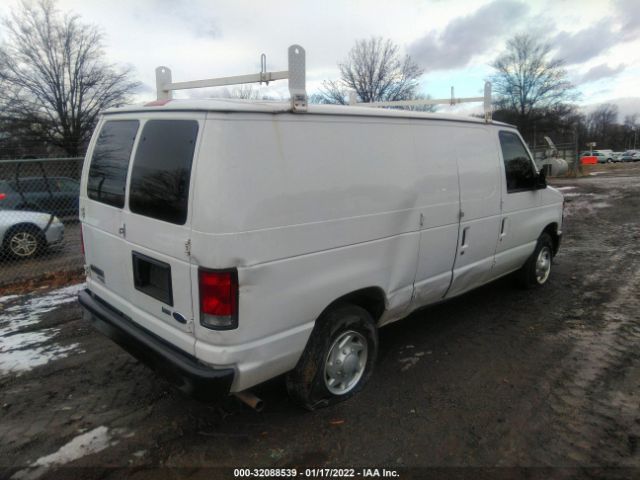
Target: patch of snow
579,194
7,298
16,361
20,315
565,188
596,173
22,351
91,442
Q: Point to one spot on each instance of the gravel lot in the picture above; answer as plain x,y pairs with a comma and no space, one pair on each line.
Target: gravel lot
498,378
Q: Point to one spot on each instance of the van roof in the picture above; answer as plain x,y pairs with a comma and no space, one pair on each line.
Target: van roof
267,106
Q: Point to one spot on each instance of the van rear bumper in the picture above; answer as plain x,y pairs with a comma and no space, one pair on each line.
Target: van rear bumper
181,369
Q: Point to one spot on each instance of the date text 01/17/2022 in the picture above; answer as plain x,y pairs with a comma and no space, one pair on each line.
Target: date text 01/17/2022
315,473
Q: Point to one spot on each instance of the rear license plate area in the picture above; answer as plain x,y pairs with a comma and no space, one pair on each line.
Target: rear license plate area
152,277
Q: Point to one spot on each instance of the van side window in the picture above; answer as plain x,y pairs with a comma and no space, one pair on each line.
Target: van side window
517,163
110,162
162,170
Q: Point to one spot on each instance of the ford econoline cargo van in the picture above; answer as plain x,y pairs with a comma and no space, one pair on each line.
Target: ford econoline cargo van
228,242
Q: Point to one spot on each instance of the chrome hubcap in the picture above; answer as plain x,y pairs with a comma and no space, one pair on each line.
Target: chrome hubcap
543,265
23,244
345,363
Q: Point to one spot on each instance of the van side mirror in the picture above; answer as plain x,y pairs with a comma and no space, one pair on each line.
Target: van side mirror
541,179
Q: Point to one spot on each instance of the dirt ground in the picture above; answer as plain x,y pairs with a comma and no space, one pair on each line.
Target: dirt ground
499,383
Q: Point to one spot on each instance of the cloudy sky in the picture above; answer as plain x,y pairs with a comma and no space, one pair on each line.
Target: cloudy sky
453,40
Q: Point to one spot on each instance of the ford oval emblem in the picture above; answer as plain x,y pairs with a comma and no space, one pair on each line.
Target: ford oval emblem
179,318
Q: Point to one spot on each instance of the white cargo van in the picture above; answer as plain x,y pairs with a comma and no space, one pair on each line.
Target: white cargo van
228,242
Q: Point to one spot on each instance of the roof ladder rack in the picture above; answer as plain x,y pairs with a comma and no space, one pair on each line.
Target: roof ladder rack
296,74
442,101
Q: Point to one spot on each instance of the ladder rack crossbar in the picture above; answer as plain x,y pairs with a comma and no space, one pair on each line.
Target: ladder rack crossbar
296,74
486,99
412,103
235,80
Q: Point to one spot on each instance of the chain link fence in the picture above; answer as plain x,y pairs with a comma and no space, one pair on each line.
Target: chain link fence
39,228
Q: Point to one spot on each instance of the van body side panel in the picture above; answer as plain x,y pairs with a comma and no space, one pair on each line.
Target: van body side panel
479,175
302,170
280,302
323,215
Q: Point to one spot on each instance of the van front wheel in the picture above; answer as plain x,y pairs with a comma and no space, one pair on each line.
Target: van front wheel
536,271
338,360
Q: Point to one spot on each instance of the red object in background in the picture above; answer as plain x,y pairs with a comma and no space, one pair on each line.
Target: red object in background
589,160
3,196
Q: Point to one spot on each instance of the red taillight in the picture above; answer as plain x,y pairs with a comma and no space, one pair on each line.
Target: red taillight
3,196
218,298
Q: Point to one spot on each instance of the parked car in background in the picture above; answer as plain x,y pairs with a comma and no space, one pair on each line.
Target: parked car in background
602,157
56,195
25,234
617,156
630,156
608,155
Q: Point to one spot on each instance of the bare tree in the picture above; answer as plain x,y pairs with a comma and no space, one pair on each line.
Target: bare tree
528,83
631,129
376,71
54,76
602,123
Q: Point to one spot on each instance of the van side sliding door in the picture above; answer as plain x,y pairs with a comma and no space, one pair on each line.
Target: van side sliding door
439,201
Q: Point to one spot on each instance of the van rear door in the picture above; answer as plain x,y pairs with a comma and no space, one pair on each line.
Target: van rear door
137,221
157,222
103,192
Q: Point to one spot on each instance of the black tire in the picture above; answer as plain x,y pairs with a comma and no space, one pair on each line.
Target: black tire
529,276
306,383
36,242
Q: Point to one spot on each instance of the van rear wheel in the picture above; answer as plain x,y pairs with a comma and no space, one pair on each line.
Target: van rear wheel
338,360
536,271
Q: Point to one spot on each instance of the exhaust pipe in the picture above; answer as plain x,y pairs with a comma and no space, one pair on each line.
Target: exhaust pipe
250,399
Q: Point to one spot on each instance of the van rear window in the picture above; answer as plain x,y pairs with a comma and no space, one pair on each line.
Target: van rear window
162,170
110,162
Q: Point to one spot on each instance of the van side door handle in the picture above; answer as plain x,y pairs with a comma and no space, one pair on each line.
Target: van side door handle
463,242
503,228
